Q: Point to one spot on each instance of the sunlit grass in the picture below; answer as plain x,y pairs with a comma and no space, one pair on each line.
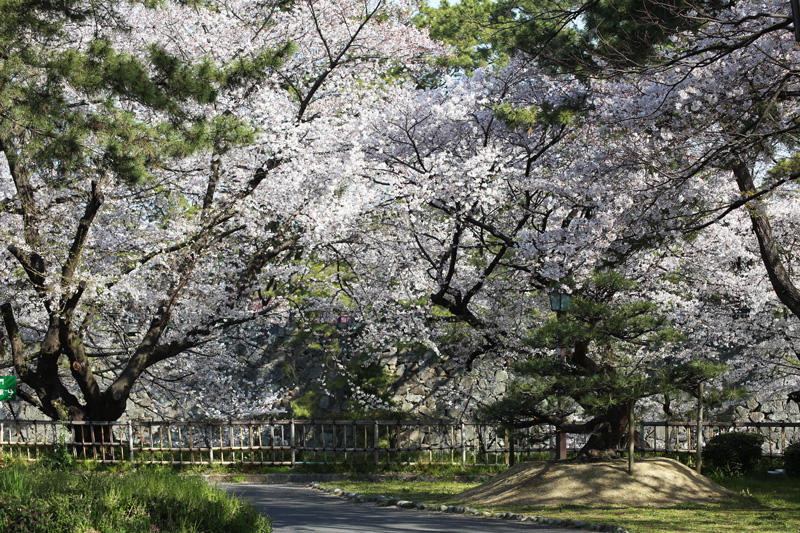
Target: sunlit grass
34,498
442,471
764,504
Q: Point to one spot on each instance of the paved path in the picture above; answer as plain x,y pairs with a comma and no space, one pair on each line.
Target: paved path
297,508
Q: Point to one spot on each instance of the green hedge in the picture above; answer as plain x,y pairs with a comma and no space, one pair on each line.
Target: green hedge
733,453
791,460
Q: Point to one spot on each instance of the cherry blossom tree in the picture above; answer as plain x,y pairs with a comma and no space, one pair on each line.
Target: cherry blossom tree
163,165
497,188
714,117
718,106
483,211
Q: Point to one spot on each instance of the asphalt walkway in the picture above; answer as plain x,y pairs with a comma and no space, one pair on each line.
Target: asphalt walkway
298,508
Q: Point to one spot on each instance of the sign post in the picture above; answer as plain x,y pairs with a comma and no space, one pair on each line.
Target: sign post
8,388
559,302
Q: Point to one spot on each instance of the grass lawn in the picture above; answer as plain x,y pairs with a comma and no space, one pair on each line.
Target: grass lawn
442,471
38,499
765,503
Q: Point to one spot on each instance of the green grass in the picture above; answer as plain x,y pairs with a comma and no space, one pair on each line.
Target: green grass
35,498
443,471
764,503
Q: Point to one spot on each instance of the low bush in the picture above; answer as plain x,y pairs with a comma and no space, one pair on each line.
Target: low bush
733,453
791,460
60,457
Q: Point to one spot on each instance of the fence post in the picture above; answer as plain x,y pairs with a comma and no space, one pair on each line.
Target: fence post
291,440
211,445
463,447
510,459
631,435
130,441
375,440
783,438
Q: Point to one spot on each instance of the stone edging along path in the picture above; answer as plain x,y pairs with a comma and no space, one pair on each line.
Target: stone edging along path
406,504
292,477
271,478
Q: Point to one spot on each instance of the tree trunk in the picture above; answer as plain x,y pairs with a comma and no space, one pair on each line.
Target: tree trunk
779,276
86,436
610,433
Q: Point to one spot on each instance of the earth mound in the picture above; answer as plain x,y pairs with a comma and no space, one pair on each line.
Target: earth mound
656,482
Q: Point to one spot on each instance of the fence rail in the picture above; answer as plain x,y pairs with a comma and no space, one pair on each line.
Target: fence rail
673,436
290,442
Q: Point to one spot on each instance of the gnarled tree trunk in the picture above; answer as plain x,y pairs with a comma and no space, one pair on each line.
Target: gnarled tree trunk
610,433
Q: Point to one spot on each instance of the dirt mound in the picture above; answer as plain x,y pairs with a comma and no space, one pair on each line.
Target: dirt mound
656,482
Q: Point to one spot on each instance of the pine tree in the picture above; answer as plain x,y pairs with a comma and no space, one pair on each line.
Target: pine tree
612,338
568,35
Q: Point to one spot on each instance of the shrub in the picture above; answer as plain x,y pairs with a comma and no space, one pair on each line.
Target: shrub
733,453
791,460
60,457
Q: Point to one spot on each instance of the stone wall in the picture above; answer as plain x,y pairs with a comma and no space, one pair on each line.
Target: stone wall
767,409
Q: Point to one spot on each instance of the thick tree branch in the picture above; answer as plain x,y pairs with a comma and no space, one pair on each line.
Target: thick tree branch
213,180
24,194
45,381
15,341
120,389
81,234
780,279
34,267
722,212
73,346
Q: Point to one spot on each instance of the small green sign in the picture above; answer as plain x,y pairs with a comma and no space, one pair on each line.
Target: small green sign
8,388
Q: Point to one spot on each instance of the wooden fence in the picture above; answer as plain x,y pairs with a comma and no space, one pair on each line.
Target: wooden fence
672,436
277,442
290,442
